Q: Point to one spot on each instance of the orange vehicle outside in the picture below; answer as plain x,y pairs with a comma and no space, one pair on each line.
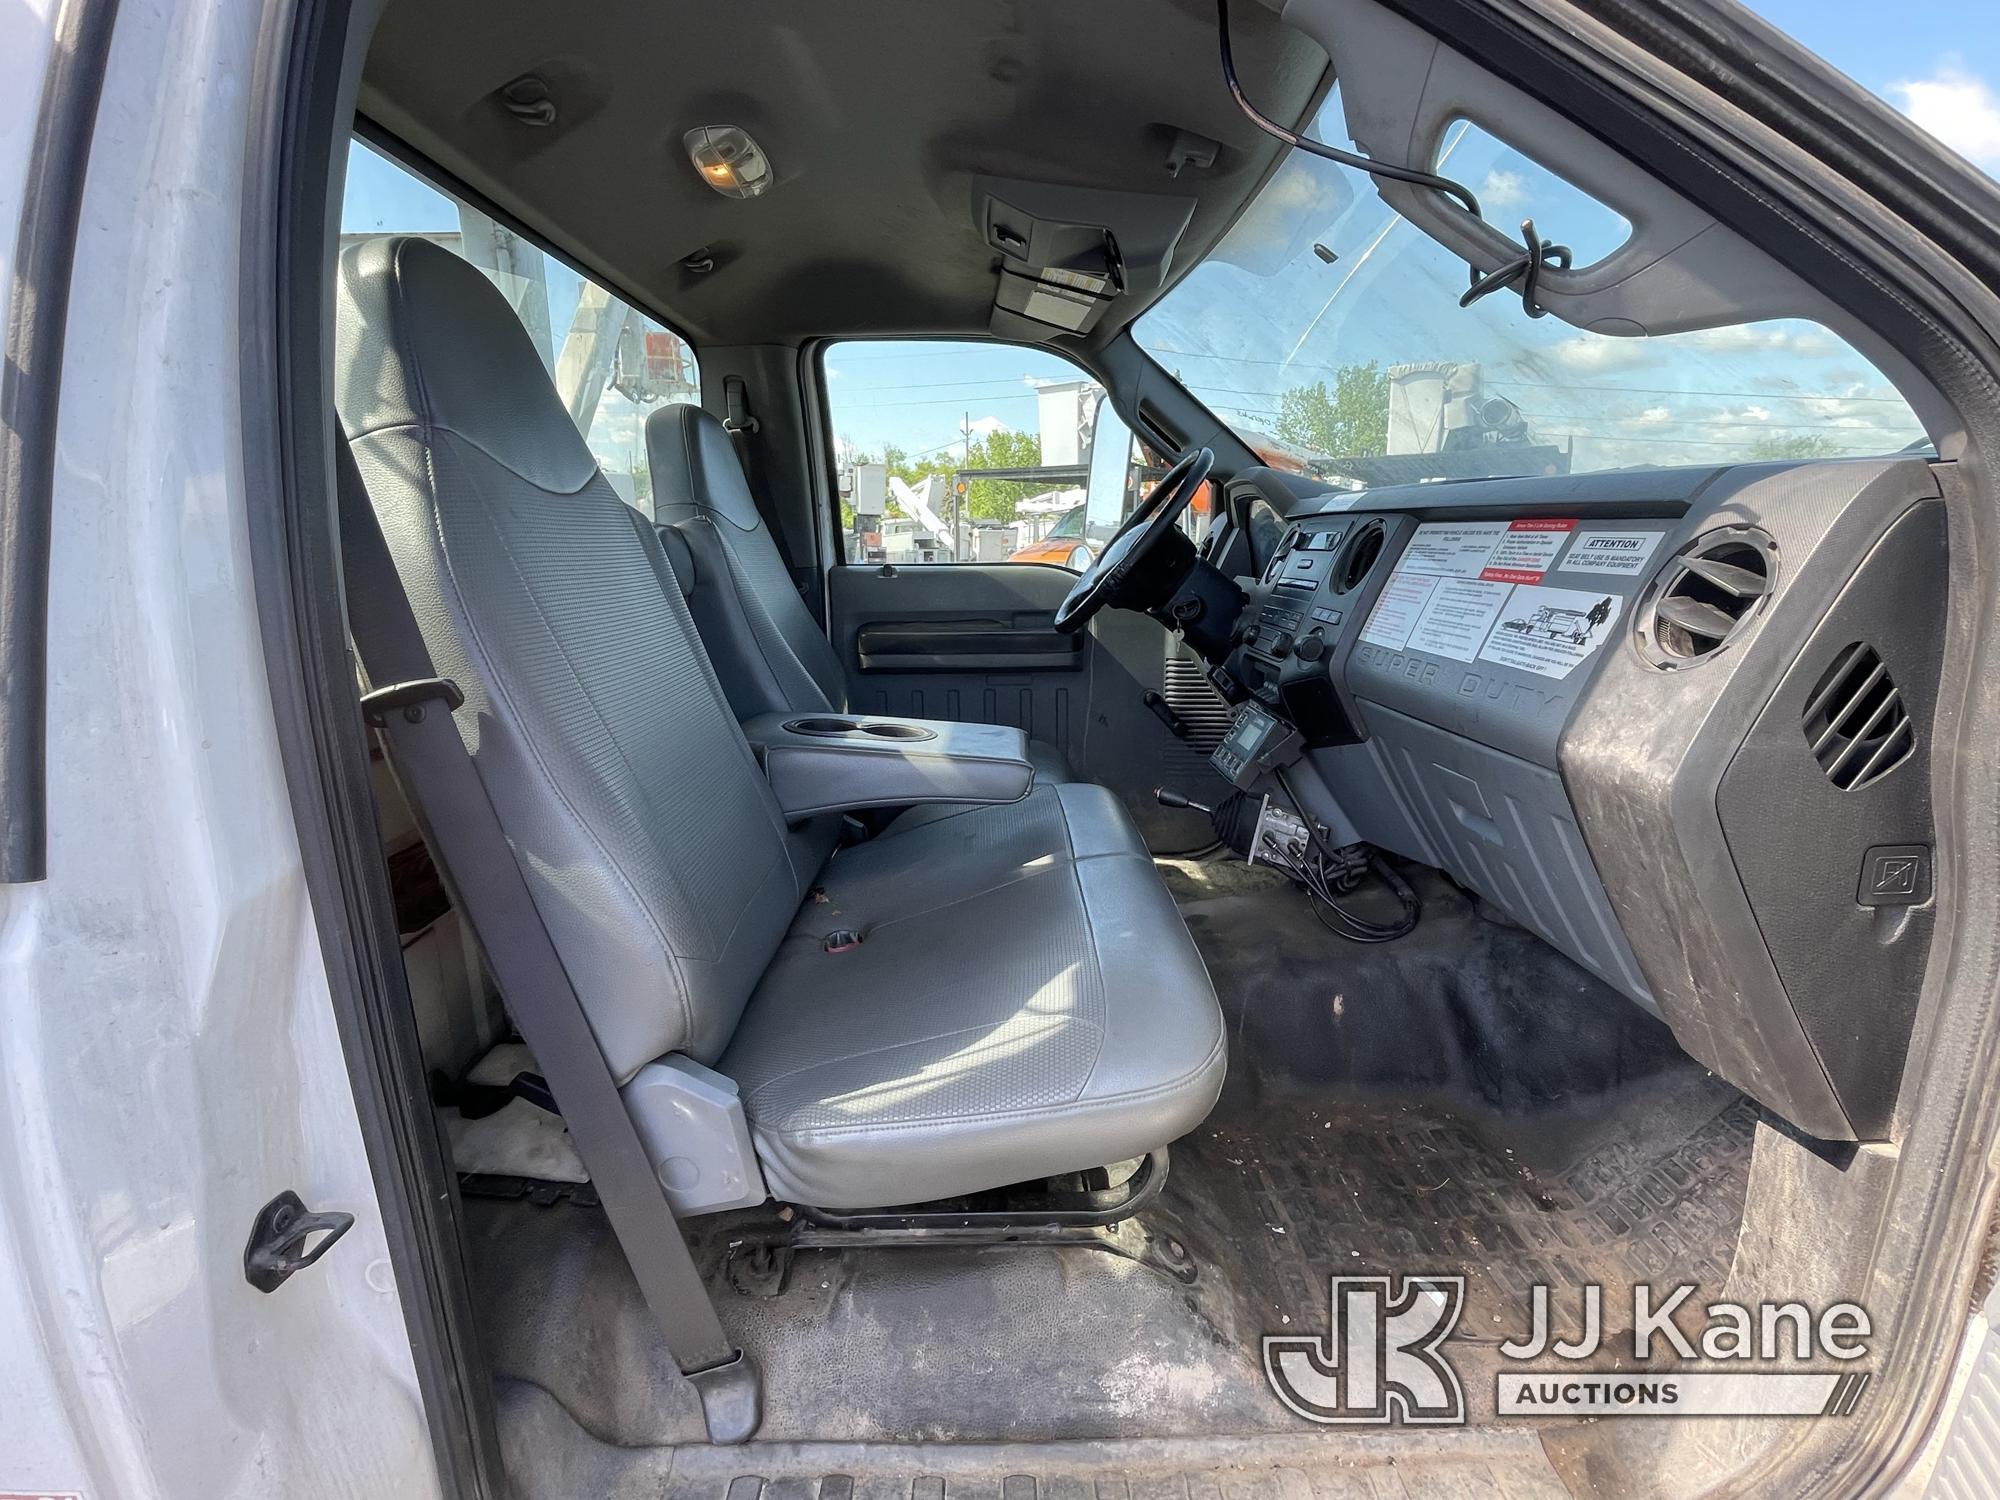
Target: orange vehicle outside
1066,546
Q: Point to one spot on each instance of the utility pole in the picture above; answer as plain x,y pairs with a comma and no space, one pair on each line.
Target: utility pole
589,350
958,500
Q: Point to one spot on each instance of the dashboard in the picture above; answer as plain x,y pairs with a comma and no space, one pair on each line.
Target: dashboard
1643,714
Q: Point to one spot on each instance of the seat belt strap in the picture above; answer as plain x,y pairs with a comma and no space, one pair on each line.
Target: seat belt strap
742,426
413,707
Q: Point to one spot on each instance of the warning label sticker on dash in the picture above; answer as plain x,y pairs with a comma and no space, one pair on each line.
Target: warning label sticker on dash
1455,577
1460,613
1473,591
1526,550
1498,551
1398,608
1550,631
1596,551
1451,549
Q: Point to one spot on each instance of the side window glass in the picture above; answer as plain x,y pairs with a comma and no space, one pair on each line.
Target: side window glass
611,364
975,452
1112,484
1267,529
1202,509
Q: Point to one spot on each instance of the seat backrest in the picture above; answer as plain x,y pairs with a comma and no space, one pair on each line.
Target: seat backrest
656,854
767,647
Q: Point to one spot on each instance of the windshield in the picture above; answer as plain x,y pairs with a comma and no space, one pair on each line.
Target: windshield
1326,331
1071,525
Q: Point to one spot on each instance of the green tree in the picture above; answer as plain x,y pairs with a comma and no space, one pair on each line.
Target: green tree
1795,445
1350,420
995,499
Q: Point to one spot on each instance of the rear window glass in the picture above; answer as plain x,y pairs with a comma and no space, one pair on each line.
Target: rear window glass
611,363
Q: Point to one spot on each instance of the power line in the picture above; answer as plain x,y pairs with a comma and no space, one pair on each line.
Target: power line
950,442
1546,385
1268,420
1642,390
938,401
940,385
1219,390
948,350
1671,442
1745,422
957,351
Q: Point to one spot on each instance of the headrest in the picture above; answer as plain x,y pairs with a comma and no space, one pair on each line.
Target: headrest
695,469
422,338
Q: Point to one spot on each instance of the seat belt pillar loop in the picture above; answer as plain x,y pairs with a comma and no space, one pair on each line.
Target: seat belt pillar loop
736,401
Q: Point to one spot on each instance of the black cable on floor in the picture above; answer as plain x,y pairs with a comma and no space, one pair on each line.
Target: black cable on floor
1326,875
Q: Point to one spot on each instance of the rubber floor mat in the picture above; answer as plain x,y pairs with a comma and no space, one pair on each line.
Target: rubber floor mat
1280,1198
546,1454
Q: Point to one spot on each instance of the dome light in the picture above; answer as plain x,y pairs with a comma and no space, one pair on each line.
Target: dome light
727,160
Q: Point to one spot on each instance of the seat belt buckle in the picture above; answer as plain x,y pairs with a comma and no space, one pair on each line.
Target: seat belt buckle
410,697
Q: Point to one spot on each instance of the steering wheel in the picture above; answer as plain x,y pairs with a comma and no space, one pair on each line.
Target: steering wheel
1137,540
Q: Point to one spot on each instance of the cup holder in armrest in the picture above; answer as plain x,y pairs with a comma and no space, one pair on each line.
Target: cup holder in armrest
834,728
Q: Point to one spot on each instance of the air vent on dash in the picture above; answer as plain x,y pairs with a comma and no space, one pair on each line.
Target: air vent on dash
1359,558
1855,720
1705,595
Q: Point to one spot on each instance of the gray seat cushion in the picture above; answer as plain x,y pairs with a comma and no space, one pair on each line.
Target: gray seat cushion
1025,1001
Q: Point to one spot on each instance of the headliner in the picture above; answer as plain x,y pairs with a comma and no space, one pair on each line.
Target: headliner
875,114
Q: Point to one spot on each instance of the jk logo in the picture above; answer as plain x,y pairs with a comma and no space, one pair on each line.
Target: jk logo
1380,1361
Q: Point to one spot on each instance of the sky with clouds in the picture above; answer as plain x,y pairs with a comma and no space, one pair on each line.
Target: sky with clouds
1936,60
1241,333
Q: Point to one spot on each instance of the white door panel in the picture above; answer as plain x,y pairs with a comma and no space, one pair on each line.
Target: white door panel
169,1060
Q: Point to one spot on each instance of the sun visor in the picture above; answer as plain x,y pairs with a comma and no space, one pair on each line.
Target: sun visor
1066,252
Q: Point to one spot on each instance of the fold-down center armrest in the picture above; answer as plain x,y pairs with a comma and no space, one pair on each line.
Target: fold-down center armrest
832,762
